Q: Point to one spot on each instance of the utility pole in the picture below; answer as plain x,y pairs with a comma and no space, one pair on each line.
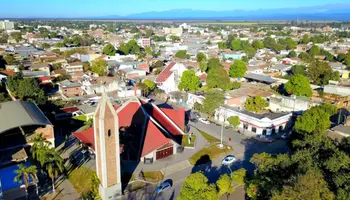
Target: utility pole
222,131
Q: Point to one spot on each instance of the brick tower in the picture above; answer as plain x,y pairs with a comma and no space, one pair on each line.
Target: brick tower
106,133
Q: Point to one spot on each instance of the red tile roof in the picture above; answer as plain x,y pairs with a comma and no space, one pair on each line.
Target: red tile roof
164,75
7,72
44,78
203,77
125,115
69,109
87,137
166,122
178,116
154,139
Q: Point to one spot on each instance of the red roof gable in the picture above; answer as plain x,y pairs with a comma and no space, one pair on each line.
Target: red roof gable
164,75
160,116
44,78
87,137
125,115
154,139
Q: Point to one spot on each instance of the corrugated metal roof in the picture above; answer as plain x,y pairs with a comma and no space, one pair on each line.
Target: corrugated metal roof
260,77
20,113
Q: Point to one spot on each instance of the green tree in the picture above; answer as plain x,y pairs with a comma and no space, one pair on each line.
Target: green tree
86,66
198,33
213,63
189,81
213,99
315,50
59,44
292,54
38,149
299,69
258,44
347,61
99,66
305,39
182,54
17,36
315,120
234,121
25,174
309,186
255,104
238,69
203,65
305,57
10,59
236,45
218,78
239,176
45,45
196,187
175,38
299,85
320,73
53,35
201,57
150,84
53,164
130,47
224,184
341,57
109,50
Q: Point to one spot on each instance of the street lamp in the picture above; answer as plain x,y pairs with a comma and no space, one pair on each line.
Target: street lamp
221,146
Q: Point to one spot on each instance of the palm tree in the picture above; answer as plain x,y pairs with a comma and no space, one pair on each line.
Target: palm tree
24,174
53,164
39,147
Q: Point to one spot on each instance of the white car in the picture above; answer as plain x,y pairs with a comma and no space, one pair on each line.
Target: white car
163,187
204,121
228,160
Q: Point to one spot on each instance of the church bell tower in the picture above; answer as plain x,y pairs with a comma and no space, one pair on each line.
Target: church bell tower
106,133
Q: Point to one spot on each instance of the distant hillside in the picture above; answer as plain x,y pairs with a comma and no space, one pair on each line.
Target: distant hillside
324,12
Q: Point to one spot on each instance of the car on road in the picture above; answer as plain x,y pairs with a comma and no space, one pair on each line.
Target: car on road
228,160
286,135
204,121
164,186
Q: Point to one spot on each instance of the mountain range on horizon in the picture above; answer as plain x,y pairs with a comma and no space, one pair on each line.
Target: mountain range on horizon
338,12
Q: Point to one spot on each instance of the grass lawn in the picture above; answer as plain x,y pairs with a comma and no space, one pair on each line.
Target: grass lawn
80,179
81,118
151,176
208,153
185,141
208,137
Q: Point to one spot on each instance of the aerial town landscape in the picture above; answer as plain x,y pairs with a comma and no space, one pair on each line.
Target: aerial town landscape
155,104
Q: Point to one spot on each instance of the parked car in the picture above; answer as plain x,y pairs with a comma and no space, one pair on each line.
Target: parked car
286,135
204,121
263,138
164,186
228,160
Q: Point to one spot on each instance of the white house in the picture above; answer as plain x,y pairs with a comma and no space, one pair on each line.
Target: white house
261,124
74,67
290,104
194,98
169,78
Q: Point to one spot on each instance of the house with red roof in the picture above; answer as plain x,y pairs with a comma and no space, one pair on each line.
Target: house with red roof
146,132
169,78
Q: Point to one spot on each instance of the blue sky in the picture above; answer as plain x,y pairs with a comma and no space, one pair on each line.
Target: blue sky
87,8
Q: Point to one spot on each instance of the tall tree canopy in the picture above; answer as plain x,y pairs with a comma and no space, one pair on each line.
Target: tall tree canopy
299,85
213,99
321,72
109,50
238,69
255,104
196,187
99,66
201,57
189,81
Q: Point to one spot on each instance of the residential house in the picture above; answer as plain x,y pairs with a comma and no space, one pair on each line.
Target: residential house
69,88
237,98
280,69
34,74
45,67
5,73
260,124
193,98
260,78
335,87
169,78
145,42
233,56
73,68
173,31
290,104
